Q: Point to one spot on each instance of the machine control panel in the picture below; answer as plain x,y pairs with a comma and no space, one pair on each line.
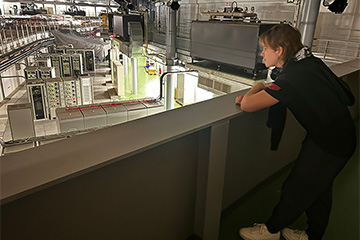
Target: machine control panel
66,65
72,91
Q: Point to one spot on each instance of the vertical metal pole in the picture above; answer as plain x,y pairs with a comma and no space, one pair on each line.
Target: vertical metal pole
36,31
23,34
2,87
171,38
17,34
170,87
126,65
308,21
170,58
28,35
134,74
12,38
326,48
6,41
2,44
32,33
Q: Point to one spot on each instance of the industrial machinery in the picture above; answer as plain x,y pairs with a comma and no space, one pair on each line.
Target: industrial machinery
69,120
56,64
119,83
46,72
230,43
76,63
87,92
114,56
89,60
37,98
31,73
72,91
43,60
94,117
21,121
66,66
55,95
121,25
62,49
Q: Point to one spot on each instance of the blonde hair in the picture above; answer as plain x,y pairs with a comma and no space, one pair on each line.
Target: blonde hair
285,36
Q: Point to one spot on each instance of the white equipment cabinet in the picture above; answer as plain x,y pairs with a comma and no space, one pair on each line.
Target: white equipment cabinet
94,117
115,114
87,90
69,120
119,83
21,121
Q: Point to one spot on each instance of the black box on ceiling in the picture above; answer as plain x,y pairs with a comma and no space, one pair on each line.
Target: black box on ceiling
120,25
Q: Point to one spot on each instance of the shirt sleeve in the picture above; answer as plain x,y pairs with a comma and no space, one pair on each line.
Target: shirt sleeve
280,90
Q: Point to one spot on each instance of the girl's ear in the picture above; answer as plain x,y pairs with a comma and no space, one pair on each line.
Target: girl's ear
279,51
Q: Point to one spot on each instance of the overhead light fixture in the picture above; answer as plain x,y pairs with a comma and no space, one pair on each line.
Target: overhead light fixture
336,6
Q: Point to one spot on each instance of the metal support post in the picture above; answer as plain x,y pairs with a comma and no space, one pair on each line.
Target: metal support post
32,33
134,75
28,35
170,58
2,87
17,34
36,31
308,21
2,44
12,39
6,41
170,88
126,65
23,34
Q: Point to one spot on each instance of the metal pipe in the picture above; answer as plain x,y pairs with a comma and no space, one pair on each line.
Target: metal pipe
170,86
171,37
28,35
308,21
6,41
17,34
162,83
134,75
2,45
12,38
23,34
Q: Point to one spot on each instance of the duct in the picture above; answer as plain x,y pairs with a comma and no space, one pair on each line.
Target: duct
309,15
171,38
162,82
78,41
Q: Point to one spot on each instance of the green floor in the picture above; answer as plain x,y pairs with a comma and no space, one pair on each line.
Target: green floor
257,205
148,86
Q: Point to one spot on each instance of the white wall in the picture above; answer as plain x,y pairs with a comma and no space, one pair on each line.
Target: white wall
10,84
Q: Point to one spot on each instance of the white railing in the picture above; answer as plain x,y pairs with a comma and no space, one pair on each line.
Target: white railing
15,33
336,49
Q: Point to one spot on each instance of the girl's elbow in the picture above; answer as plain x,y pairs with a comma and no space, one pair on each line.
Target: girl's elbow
246,108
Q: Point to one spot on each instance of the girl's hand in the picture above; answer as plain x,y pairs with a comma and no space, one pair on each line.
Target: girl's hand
238,100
